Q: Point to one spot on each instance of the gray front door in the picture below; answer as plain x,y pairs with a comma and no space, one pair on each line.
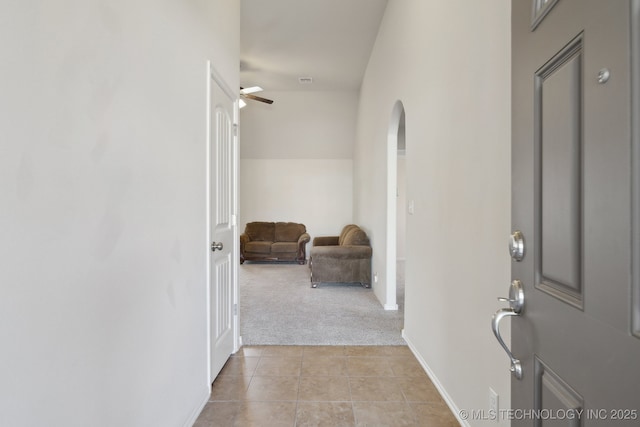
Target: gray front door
573,200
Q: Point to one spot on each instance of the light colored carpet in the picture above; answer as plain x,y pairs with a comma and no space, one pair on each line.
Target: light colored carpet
279,307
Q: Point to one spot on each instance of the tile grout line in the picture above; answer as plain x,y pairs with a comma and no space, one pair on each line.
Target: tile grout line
295,412
353,406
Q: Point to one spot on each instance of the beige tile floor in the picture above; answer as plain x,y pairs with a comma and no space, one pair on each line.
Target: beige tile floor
296,386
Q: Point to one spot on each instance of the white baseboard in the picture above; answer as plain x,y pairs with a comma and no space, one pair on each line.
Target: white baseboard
196,412
391,307
434,379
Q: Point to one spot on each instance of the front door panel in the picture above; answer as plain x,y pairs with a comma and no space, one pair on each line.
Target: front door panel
558,120
571,182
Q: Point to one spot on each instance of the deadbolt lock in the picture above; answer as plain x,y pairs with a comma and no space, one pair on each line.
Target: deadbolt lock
516,246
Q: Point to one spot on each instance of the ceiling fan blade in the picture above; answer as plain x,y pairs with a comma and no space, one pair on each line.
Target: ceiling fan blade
258,98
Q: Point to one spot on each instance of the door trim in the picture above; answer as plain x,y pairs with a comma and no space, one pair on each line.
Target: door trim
392,211
539,11
547,380
635,167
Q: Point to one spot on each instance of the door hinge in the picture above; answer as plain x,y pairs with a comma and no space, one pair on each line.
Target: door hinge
235,129
235,309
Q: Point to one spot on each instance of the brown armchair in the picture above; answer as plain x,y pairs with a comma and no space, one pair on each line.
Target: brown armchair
341,259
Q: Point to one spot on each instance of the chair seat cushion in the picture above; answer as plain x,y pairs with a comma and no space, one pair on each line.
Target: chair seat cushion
258,247
280,247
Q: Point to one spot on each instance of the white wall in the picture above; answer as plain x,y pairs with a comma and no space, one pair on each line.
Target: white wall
317,193
102,176
299,125
296,160
449,64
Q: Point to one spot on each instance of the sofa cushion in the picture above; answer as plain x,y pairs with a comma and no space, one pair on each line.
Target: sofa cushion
281,247
258,247
260,231
288,231
355,236
345,230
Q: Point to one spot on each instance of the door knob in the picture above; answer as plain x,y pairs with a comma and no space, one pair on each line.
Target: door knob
516,304
216,246
516,366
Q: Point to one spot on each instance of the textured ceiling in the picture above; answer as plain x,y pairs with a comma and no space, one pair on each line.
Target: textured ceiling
329,40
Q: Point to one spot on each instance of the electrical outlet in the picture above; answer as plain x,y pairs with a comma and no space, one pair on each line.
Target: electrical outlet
375,278
493,403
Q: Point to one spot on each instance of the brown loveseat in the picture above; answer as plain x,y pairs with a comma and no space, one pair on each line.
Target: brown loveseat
341,259
274,241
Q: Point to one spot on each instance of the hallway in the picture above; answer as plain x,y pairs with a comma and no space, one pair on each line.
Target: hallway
297,386
107,176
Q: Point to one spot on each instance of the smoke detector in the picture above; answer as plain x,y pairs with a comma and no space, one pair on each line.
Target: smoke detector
305,80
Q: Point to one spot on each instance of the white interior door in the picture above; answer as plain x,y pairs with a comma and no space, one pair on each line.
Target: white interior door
572,201
222,173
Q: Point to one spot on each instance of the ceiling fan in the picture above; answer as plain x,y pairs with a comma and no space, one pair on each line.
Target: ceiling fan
248,93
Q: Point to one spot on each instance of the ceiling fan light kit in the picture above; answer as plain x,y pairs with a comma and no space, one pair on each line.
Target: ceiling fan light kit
247,94
252,89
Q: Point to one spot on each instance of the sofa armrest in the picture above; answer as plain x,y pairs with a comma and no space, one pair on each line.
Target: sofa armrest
301,256
325,241
341,252
244,238
304,238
